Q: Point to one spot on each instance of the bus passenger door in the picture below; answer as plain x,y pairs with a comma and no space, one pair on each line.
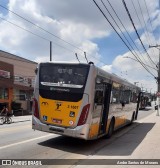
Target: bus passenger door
105,107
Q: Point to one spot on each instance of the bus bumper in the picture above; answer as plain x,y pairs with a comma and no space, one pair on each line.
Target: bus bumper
78,132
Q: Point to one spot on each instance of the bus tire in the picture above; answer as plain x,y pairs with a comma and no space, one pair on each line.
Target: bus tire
111,128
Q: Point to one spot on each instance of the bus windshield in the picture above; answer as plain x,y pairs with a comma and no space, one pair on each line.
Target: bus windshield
65,76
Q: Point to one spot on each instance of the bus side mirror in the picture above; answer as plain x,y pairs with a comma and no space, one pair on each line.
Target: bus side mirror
36,70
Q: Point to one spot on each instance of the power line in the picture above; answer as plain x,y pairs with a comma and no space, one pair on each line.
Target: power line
121,23
41,28
36,34
144,23
148,15
41,37
24,29
116,24
134,27
138,17
123,27
150,23
149,41
46,39
119,34
138,59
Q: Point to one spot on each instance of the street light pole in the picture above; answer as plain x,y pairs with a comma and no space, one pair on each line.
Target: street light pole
158,78
140,62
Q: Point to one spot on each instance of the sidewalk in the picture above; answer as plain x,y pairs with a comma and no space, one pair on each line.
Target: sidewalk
16,119
141,142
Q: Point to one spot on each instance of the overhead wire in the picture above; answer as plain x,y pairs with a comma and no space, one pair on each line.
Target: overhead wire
24,29
136,30
134,26
123,27
138,59
46,31
49,32
138,18
119,35
149,18
41,28
152,30
121,31
34,34
47,40
145,25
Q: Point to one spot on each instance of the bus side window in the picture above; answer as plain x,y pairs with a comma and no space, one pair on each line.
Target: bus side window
125,96
134,97
98,97
115,96
98,100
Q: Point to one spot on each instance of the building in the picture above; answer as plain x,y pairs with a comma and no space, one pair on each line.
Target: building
16,82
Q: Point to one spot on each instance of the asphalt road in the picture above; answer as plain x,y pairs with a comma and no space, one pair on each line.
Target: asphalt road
19,141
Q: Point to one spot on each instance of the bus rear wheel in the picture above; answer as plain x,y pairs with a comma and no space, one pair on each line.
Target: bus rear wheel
111,129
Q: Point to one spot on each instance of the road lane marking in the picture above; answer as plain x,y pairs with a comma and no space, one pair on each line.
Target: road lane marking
22,142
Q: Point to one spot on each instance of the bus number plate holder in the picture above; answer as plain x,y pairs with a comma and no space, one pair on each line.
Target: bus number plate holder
57,121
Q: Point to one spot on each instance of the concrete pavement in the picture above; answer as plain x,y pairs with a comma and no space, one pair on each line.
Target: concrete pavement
142,142
16,119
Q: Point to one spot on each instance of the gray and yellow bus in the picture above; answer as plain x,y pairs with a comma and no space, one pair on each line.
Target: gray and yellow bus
81,100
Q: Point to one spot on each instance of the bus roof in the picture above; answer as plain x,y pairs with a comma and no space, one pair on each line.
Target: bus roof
115,78
64,62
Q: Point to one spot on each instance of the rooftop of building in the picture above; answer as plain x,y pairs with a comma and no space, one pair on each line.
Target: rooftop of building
15,57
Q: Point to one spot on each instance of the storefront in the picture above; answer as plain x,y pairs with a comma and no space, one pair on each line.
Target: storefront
16,82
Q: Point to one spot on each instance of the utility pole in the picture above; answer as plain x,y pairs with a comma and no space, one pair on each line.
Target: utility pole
50,50
158,78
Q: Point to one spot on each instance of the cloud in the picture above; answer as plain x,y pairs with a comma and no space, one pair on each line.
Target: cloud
133,71
73,29
77,22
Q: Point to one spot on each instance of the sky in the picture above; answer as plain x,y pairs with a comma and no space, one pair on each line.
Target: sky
80,26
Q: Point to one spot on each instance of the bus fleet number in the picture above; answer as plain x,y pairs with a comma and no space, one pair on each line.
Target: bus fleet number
72,107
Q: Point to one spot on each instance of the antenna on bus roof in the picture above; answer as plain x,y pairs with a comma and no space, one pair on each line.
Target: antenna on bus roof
85,56
77,57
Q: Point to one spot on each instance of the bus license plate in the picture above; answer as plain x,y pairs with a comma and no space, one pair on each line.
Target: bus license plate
58,121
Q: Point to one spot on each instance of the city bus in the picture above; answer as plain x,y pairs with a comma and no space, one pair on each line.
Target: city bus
81,100
145,100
